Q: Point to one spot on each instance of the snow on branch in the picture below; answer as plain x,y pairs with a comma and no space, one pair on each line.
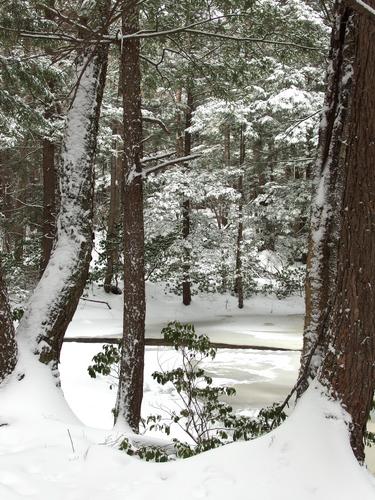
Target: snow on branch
175,161
160,156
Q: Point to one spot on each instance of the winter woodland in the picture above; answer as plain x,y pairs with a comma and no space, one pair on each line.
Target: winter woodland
187,252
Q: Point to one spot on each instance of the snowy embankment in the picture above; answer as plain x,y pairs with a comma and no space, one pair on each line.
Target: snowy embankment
46,453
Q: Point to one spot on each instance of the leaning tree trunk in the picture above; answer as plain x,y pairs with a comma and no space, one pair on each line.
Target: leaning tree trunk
8,345
130,389
186,208
325,215
343,327
56,296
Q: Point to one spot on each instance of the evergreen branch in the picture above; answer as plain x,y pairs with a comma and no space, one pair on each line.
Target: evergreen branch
66,19
44,35
190,28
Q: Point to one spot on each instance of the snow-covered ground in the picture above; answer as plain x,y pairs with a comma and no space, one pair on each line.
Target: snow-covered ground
264,321
46,453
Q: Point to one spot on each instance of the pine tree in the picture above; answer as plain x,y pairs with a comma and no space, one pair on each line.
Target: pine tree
340,322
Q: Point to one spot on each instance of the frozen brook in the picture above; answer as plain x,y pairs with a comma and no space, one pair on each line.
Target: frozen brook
260,377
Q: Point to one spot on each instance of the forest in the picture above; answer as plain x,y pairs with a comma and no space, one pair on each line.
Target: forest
187,253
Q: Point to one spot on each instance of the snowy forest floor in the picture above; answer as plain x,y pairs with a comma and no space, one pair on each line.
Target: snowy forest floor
307,457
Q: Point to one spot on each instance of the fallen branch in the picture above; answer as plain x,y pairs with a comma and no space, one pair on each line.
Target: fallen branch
97,301
162,342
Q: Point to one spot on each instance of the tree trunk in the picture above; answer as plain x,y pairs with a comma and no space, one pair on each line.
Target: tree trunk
341,301
49,175
130,389
227,160
325,212
18,227
8,345
238,285
6,205
112,241
49,201
186,209
222,217
56,296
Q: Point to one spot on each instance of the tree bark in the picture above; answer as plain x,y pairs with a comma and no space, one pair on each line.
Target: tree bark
49,175
341,301
325,213
5,202
8,345
130,389
18,227
49,201
112,243
238,285
186,206
56,296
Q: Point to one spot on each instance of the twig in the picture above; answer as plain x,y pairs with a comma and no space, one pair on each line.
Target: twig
71,440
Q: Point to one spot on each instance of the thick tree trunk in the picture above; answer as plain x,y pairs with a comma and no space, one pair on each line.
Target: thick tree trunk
325,215
238,285
341,300
56,297
8,345
186,206
130,389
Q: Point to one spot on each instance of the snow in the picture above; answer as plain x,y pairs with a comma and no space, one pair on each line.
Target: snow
308,457
47,453
264,321
364,5
72,230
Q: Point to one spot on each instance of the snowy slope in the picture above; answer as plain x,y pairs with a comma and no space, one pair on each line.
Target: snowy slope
308,457
46,453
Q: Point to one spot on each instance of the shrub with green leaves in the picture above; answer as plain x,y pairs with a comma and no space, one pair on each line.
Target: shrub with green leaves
207,421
